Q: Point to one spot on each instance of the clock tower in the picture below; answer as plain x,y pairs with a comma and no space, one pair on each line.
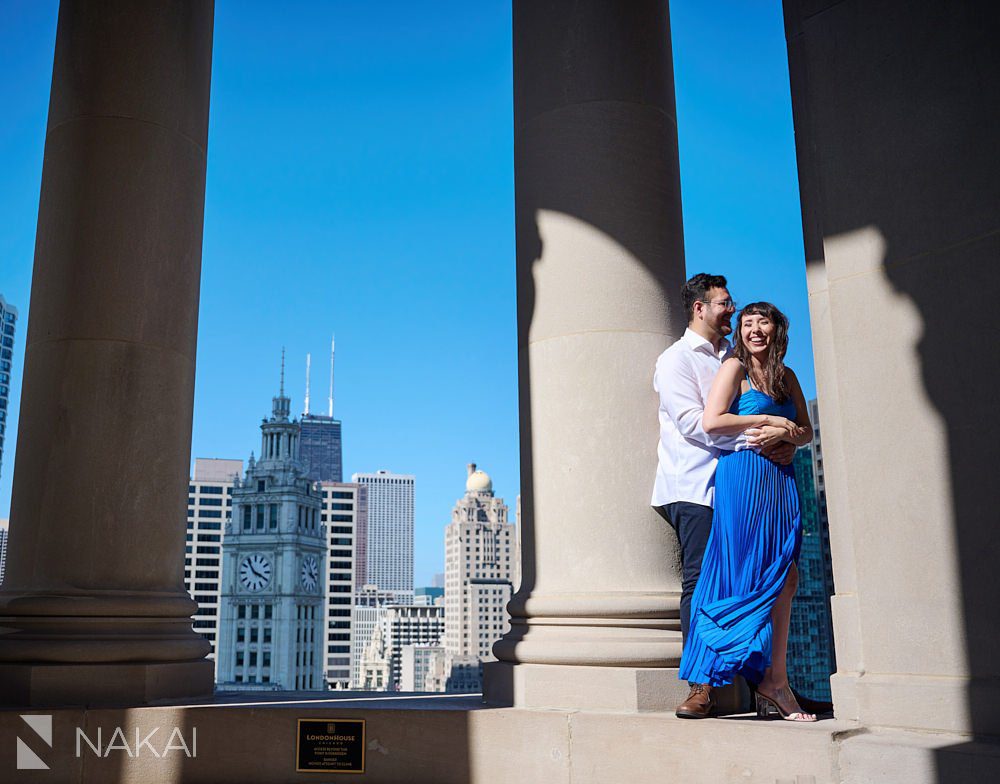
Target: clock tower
271,629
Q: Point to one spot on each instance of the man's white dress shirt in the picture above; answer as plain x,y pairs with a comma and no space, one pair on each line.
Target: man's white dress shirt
688,455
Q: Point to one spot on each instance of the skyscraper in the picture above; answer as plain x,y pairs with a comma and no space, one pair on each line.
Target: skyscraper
4,532
388,535
210,499
8,322
274,562
398,626
810,641
481,569
322,450
343,515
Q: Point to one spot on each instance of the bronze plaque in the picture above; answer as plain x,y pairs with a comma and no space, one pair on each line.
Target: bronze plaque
330,746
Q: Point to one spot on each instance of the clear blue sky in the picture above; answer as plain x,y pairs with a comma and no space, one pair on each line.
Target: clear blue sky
360,183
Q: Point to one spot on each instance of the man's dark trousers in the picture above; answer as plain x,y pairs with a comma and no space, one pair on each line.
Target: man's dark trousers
693,523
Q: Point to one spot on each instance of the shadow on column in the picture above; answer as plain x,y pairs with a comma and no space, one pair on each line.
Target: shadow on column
595,138
897,132
528,245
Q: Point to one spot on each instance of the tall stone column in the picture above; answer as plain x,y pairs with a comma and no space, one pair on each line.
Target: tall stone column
896,116
93,607
600,262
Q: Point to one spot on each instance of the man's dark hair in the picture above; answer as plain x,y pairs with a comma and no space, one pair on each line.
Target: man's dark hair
697,289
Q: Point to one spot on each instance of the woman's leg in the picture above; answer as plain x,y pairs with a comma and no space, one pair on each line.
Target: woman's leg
775,681
781,618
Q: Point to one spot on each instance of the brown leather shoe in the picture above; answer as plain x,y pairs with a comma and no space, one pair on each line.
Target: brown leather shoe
699,703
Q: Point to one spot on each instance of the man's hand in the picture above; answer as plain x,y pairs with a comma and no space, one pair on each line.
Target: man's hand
781,453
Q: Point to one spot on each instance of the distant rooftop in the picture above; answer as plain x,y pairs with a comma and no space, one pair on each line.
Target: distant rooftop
213,469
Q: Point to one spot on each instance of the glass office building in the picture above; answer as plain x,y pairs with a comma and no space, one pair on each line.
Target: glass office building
811,658
8,324
322,451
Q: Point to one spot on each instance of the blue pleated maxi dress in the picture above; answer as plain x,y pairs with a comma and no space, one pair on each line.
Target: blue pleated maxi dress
755,538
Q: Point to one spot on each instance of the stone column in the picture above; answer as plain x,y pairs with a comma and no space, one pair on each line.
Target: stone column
93,607
896,115
600,262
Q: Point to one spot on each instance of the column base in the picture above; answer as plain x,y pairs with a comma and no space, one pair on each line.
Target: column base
910,702
131,684
570,687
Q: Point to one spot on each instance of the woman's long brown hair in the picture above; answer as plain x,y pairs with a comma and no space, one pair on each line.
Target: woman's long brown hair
773,380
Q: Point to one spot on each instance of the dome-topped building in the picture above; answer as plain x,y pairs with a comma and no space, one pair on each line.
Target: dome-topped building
478,481
481,570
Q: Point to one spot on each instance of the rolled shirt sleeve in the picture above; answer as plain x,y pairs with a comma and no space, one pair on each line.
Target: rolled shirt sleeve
677,383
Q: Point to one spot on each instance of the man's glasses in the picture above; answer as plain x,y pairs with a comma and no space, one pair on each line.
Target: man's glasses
725,304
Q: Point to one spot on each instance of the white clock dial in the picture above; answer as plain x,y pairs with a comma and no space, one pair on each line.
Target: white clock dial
255,572
309,573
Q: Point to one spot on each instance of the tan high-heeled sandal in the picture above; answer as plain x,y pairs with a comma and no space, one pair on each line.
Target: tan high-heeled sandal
768,707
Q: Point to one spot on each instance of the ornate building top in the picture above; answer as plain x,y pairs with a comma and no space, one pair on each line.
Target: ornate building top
478,481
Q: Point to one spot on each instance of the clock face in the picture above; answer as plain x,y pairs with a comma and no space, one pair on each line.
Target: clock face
255,572
310,573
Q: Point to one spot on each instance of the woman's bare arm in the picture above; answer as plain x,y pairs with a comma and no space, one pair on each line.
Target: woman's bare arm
801,412
717,420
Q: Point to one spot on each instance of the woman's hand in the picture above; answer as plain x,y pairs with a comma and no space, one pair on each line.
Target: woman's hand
765,437
788,429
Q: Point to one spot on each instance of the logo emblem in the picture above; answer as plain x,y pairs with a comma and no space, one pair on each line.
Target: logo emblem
26,758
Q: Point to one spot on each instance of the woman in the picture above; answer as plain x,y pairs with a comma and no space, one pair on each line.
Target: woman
741,607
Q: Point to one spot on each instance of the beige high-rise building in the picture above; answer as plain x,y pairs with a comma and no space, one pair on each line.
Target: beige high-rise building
385,541
416,663
210,501
481,569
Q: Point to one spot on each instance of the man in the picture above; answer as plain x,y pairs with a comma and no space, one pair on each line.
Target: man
684,490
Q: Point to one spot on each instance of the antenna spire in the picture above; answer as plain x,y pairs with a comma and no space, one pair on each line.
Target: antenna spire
332,348
281,393
280,405
308,362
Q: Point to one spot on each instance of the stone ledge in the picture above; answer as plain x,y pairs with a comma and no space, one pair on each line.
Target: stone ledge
599,689
103,684
880,755
442,739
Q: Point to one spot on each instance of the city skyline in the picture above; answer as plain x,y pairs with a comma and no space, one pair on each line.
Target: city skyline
360,183
348,167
